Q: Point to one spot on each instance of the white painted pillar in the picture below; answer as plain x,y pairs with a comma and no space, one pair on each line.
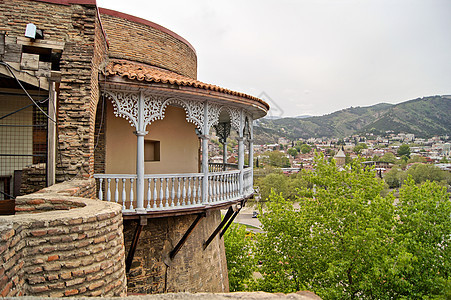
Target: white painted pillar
251,154
224,156
241,151
205,138
140,133
241,162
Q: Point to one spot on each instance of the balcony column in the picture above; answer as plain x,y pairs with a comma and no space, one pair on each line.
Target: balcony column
140,133
224,156
241,151
251,154
205,139
223,132
241,162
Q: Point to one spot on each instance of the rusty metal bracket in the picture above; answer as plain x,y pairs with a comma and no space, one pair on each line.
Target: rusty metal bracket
182,241
230,221
131,253
213,235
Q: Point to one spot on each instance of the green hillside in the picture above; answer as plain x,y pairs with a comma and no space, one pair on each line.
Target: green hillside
423,117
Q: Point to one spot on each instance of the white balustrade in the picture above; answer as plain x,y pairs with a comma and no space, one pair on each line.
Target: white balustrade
173,191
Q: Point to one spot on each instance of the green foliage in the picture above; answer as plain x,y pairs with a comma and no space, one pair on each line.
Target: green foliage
388,157
330,152
279,183
293,152
359,147
419,173
275,159
404,150
419,266
240,251
345,240
348,159
305,149
422,172
395,177
416,159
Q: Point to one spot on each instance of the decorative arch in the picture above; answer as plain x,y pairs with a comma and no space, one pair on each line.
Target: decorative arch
125,105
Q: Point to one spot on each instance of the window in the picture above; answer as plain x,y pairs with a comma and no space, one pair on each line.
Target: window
151,150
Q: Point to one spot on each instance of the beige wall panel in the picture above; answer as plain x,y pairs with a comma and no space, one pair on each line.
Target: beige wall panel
178,144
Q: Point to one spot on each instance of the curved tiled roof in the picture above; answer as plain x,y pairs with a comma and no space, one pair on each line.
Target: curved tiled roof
148,73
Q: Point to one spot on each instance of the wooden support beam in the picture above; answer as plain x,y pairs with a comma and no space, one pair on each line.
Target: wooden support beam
134,244
182,241
213,235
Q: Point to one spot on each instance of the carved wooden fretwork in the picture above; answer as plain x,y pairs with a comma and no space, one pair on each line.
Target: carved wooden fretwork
248,127
125,105
235,117
194,110
213,115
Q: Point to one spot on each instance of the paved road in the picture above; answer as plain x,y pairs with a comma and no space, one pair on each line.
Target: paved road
245,217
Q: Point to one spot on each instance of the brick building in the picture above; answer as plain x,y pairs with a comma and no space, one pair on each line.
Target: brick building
73,78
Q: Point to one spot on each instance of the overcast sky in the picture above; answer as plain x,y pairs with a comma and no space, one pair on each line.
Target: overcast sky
313,57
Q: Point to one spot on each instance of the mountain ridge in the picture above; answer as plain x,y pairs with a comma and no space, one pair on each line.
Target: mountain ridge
424,117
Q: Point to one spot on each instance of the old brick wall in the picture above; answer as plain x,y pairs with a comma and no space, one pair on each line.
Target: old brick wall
139,40
75,23
77,251
192,270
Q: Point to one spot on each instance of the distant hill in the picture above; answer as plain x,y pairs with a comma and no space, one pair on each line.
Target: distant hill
423,117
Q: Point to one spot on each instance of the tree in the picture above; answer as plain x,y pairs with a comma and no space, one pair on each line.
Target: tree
348,159
416,159
293,152
422,172
359,147
419,266
240,256
345,240
395,177
404,150
388,157
305,148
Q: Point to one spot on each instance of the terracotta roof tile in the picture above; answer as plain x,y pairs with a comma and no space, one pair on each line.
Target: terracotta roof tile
140,72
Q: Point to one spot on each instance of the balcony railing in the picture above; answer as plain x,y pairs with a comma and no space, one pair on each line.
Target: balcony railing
174,191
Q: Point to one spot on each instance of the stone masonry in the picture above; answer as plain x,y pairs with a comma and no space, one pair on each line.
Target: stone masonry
193,269
76,24
72,247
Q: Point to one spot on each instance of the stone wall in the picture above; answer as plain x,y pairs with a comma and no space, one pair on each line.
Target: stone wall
76,23
192,270
140,40
75,249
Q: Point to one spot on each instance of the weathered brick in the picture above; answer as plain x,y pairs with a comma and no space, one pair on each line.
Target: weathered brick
52,267
39,289
66,275
36,279
35,201
53,257
96,285
6,289
72,264
7,234
52,277
75,281
71,292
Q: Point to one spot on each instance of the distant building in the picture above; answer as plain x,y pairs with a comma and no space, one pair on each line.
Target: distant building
340,158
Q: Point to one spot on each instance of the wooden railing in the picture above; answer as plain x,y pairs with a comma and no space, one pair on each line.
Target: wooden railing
218,167
174,191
